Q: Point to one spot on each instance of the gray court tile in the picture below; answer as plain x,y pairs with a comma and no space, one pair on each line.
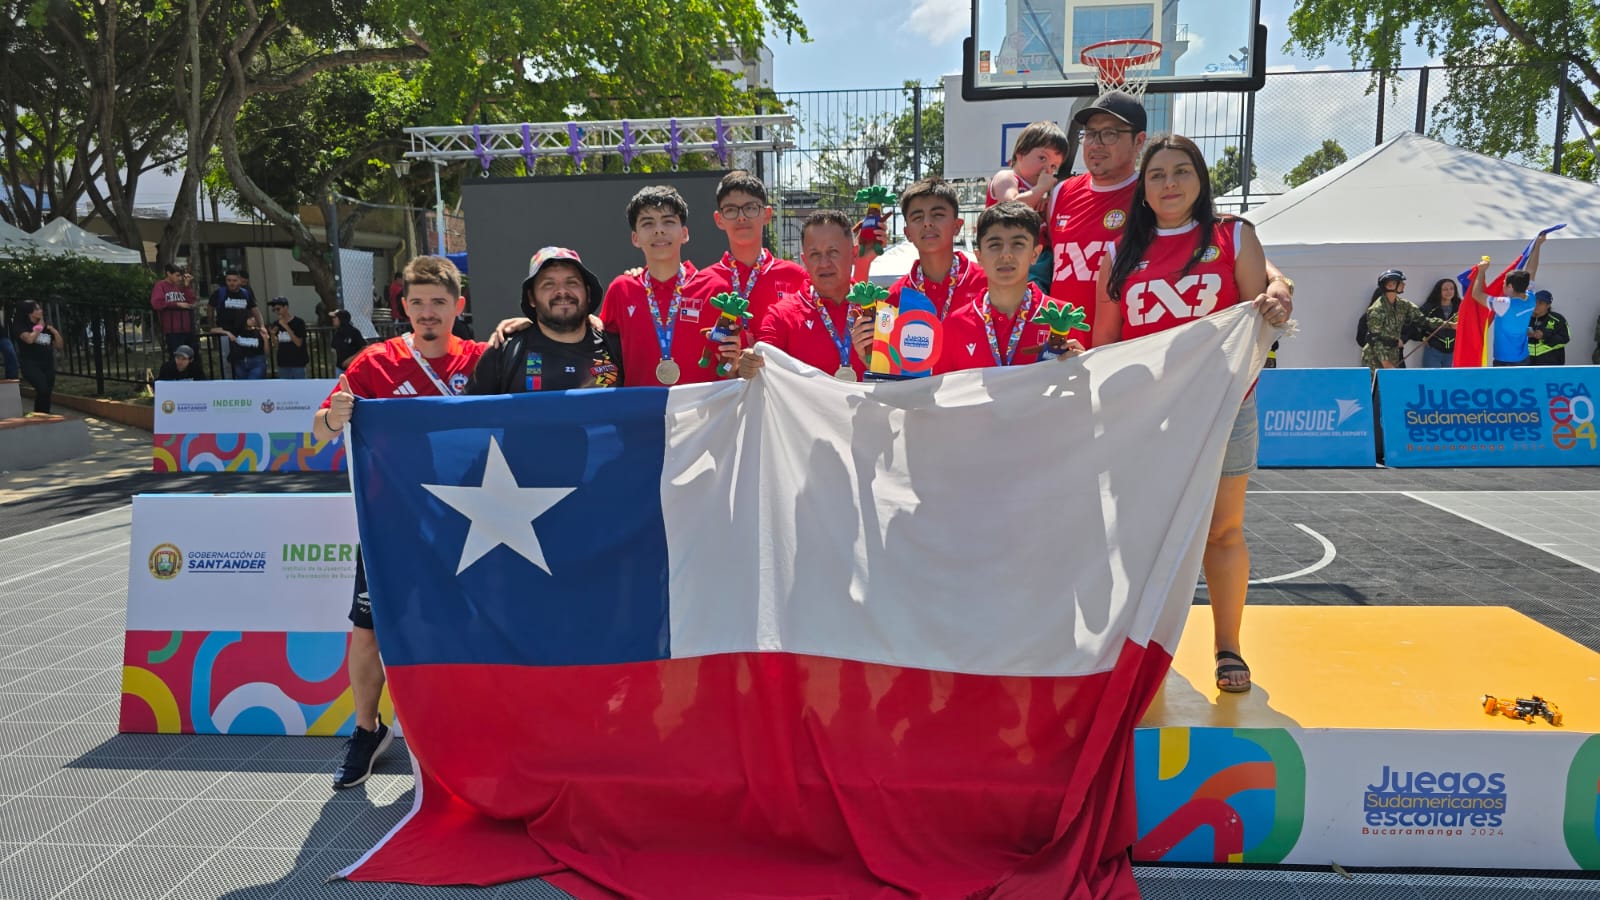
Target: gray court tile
62,680
294,824
68,740
370,827
24,819
168,784
255,874
537,889
135,746
310,879
259,786
329,749
16,735
12,703
112,821
137,873
82,782
61,709
20,773
230,747
43,870
206,823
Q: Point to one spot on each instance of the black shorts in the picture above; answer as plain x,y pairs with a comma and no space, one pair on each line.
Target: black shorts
1520,362
361,604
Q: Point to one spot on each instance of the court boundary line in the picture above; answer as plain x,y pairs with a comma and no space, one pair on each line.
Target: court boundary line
1496,529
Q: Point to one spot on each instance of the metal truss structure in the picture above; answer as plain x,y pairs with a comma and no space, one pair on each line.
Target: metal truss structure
716,135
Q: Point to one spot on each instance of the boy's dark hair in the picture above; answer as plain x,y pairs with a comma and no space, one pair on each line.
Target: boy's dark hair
1010,214
1040,134
657,195
827,217
934,187
1518,280
744,182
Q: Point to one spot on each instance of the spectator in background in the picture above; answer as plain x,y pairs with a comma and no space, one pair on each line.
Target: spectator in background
244,282
289,334
1512,312
1442,303
173,300
247,352
38,342
397,305
1392,320
181,367
229,305
8,355
347,340
1548,334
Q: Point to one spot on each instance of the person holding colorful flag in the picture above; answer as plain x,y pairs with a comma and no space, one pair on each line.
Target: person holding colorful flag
1513,310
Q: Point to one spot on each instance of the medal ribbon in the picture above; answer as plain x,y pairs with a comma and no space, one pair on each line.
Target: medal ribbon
763,263
957,265
841,340
1018,325
664,330
444,389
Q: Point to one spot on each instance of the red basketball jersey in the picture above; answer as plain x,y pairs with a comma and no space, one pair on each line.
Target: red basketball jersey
1159,295
1085,220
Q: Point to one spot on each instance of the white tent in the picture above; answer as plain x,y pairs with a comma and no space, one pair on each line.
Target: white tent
1431,210
60,236
14,240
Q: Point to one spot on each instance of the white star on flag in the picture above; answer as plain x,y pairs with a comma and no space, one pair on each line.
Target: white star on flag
500,510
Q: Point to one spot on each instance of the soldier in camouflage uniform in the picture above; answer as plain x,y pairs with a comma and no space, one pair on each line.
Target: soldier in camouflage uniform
1390,320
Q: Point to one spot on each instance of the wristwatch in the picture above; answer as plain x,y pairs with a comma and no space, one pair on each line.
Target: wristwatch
1287,282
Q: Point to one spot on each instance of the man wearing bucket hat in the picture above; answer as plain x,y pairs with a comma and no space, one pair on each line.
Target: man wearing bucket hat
563,350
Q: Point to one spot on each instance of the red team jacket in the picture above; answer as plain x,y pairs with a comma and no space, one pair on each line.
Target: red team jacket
773,278
795,325
1084,222
626,313
966,335
389,369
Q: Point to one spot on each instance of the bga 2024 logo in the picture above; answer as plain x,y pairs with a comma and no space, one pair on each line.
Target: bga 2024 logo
166,561
1503,415
1421,802
1581,822
1223,795
1571,416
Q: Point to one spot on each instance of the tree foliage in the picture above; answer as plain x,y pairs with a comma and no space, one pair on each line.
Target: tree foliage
1329,156
1225,172
35,276
1488,107
879,149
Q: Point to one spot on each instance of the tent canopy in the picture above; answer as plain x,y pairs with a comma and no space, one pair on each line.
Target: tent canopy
60,236
14,240
1412,188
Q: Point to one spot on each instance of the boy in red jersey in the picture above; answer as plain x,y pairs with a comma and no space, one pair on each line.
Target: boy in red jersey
997,329
657,313
813,324
429,361
749,269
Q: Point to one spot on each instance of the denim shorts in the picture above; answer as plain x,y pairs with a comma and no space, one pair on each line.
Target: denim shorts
1240,458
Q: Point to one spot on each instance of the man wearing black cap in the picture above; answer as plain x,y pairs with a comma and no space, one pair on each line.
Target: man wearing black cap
564,350
1548,334
1086,212
181,367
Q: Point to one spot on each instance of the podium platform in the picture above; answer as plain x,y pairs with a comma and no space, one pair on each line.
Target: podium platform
1364,743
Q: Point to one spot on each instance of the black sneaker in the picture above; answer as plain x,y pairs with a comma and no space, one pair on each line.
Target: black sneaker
361,750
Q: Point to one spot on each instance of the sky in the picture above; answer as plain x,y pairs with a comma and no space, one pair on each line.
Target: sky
921,40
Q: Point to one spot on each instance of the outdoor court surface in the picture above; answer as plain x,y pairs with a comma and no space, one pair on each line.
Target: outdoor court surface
86,813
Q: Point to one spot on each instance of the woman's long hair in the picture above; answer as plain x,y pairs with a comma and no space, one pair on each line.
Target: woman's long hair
1436,296
1141,228
20,317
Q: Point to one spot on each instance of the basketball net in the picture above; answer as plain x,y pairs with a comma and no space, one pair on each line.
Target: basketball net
1123,65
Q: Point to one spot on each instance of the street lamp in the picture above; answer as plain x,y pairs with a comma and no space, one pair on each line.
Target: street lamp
402,168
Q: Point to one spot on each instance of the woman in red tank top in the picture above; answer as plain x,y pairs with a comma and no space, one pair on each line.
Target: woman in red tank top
1177,261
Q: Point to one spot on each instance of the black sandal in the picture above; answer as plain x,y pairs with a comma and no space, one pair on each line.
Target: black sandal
1226,669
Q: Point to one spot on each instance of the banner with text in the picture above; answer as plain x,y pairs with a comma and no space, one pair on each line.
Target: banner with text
1315,417
241,425
1506,416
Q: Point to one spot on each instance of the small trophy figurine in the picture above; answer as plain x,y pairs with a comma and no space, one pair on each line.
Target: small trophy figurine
1062,319
871,234
864,297
734,311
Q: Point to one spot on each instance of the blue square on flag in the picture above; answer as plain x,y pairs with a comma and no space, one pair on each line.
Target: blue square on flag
504,497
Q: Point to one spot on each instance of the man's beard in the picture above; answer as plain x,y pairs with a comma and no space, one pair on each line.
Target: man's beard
562,324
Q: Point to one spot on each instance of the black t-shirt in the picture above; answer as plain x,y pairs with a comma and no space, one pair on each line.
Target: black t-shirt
42,350
247,344
231,308
347,342
169,372
289,354
533,361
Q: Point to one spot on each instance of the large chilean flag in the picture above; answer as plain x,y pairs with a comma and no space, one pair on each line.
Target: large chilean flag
793,637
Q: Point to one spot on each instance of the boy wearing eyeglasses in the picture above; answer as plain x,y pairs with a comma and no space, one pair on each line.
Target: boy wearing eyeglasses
748,268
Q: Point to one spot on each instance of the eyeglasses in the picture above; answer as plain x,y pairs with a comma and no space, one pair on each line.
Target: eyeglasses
747,211
1103,136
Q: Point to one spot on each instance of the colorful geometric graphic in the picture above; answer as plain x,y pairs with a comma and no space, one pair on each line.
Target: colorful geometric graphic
230,682
1218,795
1581,821
289,451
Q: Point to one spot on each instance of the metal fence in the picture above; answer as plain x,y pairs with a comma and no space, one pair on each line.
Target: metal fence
124,345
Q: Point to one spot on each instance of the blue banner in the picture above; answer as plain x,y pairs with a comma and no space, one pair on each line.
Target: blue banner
1507,416
1315,417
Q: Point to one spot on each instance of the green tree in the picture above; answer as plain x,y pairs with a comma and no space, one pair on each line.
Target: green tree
902,131
1536,46
1225,172
1329,156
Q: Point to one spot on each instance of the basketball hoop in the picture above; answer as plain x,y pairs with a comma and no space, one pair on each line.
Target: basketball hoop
1124,64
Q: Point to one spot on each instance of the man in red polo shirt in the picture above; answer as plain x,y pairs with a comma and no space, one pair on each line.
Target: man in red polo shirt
813,324
429,361
658,313
749,269
998,329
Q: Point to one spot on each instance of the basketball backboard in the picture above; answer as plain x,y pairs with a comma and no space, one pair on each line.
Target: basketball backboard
1066,48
